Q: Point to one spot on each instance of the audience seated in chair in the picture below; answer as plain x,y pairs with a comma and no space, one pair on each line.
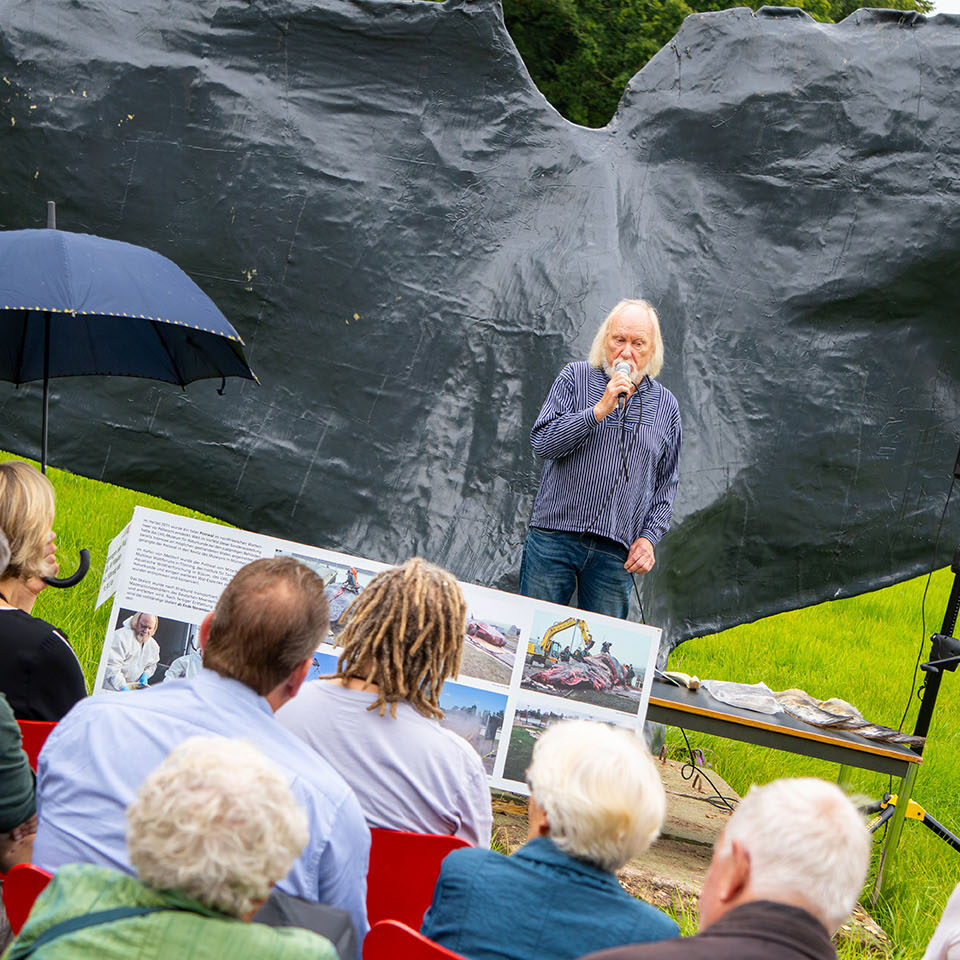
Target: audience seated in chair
258,645
786,872
39,672
18,821
377,720
596,801
211,830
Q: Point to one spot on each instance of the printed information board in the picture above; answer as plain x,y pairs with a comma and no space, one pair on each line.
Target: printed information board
526,663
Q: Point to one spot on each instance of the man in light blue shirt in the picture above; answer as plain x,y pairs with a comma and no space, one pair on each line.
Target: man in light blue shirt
258,645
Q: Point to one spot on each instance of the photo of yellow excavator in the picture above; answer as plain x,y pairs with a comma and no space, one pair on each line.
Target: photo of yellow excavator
547,650
586,658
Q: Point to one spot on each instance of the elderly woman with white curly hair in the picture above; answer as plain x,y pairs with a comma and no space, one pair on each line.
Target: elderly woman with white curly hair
596,801
212,829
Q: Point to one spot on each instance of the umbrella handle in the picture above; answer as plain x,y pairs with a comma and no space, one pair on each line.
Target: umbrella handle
75,578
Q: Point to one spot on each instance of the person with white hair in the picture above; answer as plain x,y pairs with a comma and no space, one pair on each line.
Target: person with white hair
211,830
134,654
258,644
785,873
596,801
609,437
945,942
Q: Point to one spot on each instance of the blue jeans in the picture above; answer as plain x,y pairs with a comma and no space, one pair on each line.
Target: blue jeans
555,563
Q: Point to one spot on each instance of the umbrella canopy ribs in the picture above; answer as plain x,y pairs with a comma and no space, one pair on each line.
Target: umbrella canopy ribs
74,304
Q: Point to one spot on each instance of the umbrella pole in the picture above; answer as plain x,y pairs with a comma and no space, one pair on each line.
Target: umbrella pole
46,389
51,225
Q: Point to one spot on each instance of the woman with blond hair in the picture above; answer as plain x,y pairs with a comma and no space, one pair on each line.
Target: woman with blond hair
596,801
377,719
39,672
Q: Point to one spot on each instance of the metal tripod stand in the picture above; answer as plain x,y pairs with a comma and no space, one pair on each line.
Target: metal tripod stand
944,655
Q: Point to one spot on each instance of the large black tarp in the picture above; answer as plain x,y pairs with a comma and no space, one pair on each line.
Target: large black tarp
412,242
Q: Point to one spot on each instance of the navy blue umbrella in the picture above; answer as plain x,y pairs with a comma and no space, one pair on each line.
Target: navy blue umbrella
74,304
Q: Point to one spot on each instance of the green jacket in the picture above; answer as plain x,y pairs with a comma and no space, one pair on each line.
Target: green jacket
17,801
189,931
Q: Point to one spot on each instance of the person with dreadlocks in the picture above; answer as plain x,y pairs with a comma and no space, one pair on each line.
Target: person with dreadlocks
376,720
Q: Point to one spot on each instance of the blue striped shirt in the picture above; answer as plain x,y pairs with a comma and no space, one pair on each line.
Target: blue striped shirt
582,459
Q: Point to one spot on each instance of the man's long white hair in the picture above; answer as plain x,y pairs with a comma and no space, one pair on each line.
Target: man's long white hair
596,356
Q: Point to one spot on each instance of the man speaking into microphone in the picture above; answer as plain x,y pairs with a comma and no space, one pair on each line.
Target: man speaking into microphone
609,437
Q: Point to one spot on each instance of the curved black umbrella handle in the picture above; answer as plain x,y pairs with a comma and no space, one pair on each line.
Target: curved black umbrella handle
75,578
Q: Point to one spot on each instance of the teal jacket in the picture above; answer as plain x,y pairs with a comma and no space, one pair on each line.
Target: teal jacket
539,904
187,931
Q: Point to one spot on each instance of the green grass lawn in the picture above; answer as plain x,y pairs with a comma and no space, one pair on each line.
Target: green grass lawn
862,650
519,754
89,514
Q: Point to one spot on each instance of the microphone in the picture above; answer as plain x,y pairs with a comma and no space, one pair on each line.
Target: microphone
622,367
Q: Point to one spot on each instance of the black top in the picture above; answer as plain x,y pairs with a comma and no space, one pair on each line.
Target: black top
39,672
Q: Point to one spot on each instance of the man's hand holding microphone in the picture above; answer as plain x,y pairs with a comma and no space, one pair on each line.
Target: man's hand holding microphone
619,388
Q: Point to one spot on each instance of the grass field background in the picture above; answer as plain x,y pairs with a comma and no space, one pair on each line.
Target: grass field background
862,650
519,753
89,514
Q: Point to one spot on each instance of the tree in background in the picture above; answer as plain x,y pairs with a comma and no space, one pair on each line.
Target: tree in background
582,53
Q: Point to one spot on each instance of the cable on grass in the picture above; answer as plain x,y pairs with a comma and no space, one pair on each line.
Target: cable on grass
636,591
690,768
613,486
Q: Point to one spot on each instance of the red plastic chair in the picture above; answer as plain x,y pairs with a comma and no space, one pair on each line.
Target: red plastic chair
392,940
34,735
403,872
21,887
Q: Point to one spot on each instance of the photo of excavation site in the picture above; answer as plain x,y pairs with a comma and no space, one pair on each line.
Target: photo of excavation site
322,665
342,585
587,659
530,719
477,716
489,649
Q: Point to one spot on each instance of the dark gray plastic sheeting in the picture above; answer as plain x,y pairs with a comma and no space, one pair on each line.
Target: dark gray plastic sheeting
412,242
